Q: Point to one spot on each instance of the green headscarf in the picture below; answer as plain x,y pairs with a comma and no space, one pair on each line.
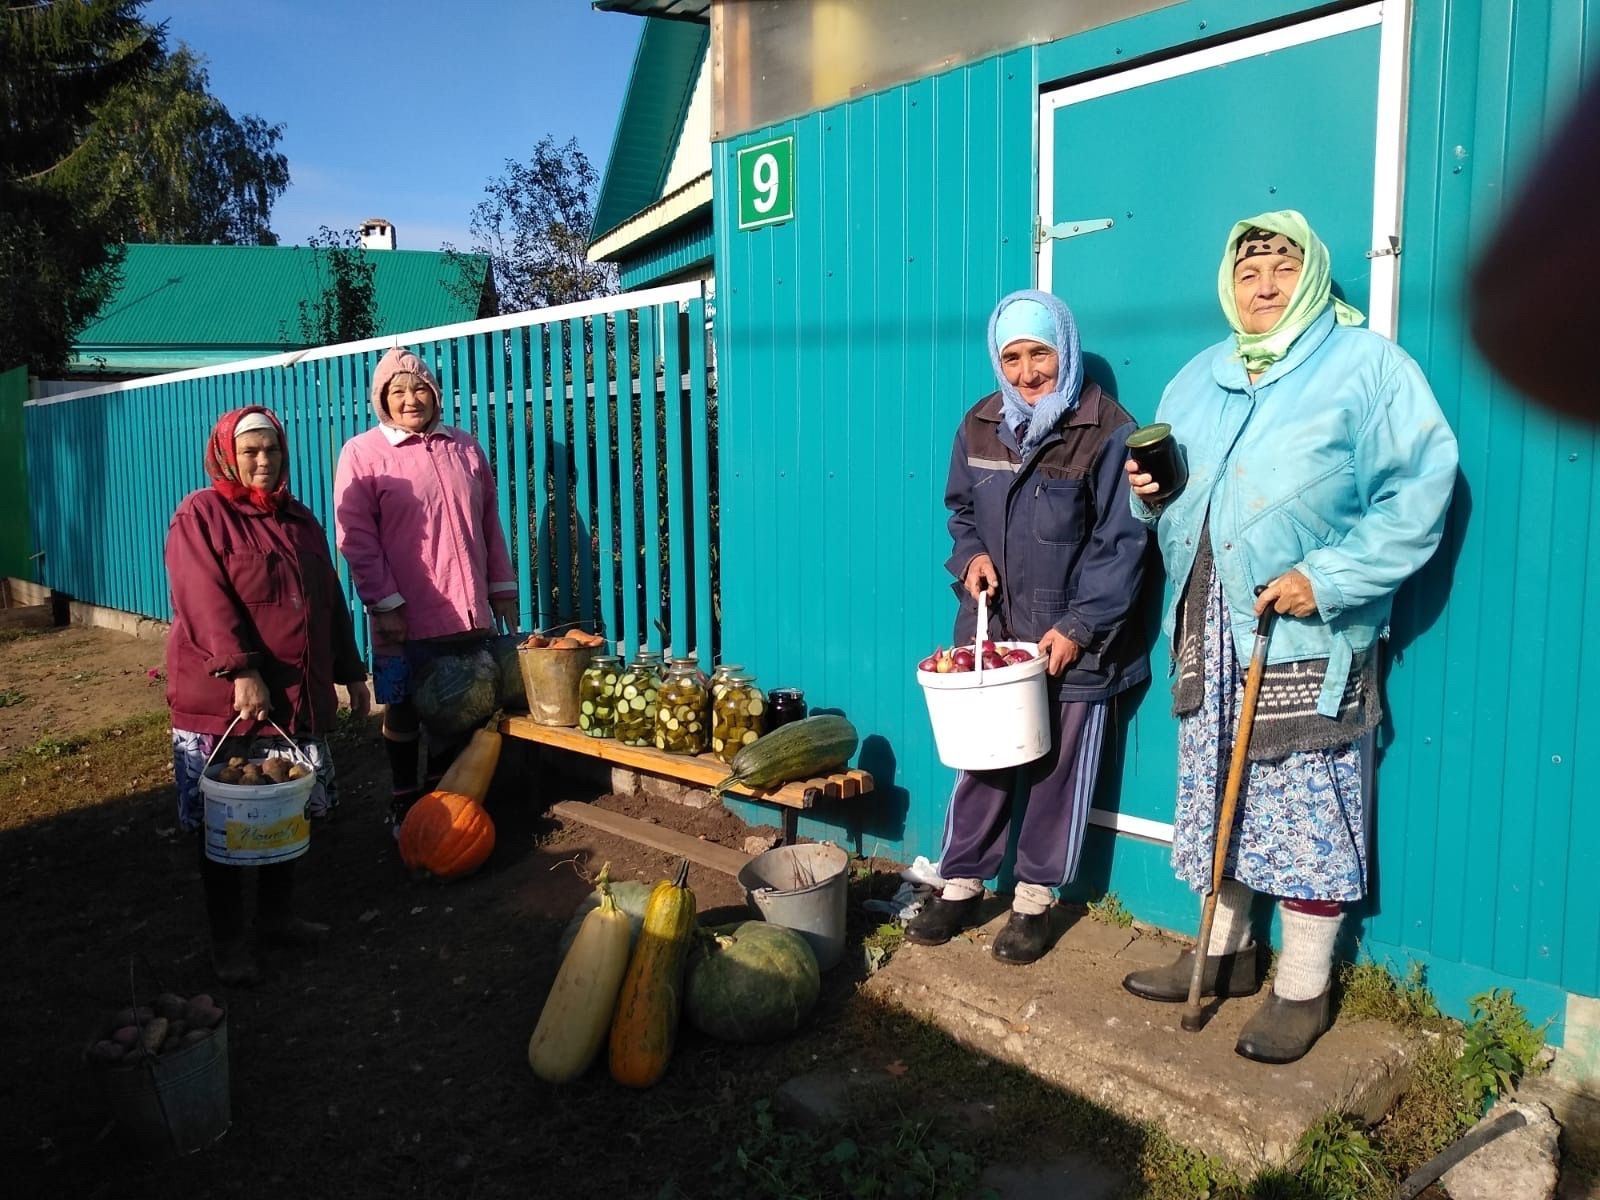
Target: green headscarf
1260,350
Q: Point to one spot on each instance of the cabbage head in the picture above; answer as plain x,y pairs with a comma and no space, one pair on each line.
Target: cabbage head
456,693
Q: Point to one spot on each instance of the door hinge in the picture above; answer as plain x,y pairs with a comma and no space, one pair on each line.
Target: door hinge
1062,230
1391,250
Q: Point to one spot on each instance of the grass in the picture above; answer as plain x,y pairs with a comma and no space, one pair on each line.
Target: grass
63,768
11,698
1109,910
881,943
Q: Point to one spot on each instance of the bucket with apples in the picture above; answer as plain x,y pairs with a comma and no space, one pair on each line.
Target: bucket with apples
987,701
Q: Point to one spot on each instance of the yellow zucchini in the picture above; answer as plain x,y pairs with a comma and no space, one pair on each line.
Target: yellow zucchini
577,1013
645,1027
473,769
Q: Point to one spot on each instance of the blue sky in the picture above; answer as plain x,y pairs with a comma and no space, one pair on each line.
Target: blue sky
405,108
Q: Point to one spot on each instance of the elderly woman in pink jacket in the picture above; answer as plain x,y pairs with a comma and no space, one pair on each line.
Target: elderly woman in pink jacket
417,519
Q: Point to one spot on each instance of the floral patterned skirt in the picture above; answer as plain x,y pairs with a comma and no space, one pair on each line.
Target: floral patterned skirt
1301,824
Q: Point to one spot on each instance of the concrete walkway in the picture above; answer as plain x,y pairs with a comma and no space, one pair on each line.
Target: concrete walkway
1067,1019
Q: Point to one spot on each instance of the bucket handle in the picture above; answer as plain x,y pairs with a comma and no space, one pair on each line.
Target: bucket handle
294,747
982,636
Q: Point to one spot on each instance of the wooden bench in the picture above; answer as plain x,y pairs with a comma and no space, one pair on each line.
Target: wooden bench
704,770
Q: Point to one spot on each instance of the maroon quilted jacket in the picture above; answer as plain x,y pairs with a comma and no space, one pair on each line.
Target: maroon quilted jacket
254,589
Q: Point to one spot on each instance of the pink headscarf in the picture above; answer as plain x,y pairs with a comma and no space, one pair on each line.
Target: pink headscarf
400,361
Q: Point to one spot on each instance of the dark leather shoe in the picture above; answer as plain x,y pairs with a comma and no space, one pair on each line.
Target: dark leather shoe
292,931
1024,939
1225,975
941,920
1283,1030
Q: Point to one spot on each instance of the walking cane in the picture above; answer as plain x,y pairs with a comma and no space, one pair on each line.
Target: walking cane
1192,1021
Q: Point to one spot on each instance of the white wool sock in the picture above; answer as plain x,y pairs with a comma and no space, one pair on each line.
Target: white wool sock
961,889
1031,899
1306,963
1230,928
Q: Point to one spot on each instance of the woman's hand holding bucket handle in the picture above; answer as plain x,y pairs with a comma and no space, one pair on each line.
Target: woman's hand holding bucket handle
250,697
981,577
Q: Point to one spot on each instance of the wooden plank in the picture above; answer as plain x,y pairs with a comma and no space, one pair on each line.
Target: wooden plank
703,771
657,837
32,616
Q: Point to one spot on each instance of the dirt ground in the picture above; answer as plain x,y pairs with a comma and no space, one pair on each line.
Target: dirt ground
74,678
390,1063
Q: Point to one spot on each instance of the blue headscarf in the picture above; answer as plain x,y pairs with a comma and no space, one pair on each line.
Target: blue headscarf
1040,317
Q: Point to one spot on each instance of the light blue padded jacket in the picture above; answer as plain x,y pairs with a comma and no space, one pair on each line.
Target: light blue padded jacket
1336,462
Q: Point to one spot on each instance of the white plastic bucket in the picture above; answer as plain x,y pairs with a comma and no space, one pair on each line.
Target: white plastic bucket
252,826
998,719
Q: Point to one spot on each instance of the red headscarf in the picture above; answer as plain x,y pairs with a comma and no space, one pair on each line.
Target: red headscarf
222,461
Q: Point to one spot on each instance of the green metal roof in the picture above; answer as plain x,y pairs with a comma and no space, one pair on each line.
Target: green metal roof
665,67
675,10
187,305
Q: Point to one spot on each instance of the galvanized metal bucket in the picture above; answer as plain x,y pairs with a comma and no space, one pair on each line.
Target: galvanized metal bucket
174,1104
550,676
804,888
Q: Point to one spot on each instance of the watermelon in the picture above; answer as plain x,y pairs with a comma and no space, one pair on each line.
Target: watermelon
457,692
752,982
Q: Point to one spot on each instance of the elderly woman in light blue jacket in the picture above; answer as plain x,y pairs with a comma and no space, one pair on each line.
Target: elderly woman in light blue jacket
1319,466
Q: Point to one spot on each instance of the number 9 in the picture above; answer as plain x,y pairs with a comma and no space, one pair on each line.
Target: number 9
765,177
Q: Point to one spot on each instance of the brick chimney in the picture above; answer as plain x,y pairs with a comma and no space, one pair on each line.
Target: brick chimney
377,234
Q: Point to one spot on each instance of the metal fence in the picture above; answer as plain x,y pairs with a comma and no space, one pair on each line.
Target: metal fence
598,419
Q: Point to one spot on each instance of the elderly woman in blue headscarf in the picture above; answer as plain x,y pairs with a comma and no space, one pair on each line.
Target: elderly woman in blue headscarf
1319,470
1040,517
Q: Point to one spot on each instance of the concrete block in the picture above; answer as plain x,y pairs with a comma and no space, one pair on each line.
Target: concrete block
760,843
1578,1063
1144,951
1068,1020
624,782
822,1097
677,793
1524,1163
1096,937
1078,1177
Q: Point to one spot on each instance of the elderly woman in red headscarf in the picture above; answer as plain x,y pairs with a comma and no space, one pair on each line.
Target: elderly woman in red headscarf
260,635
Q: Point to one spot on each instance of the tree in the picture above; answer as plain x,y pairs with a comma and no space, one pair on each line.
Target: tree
167,162
534,225
344,312
58,63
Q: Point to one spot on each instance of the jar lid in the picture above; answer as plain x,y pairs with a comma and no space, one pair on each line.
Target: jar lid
787,693
605,660
1149,435
728,668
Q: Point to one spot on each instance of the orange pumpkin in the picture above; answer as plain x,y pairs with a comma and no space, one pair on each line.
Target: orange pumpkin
446,835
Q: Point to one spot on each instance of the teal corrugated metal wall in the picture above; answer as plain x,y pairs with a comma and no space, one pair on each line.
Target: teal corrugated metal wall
106,470
850,340
690,248
846,353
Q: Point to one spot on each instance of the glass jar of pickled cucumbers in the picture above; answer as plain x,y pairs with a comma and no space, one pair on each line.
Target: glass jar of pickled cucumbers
635,692
683,710
597,702
737,714
719,677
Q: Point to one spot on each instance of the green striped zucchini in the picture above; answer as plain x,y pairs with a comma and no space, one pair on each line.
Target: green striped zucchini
798,750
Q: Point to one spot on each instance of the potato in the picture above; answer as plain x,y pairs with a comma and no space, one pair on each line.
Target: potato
230,775
298,772
236,761
124,1016
276,769
250,777
202,1012
125,1035
107,1052
169,1005
195,1035
534,641
153,1034
565,643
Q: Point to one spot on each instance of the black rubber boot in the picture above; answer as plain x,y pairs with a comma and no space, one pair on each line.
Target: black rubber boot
1024,939
941,920
405,760
1283,1030
230,954
1225,975
276,923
